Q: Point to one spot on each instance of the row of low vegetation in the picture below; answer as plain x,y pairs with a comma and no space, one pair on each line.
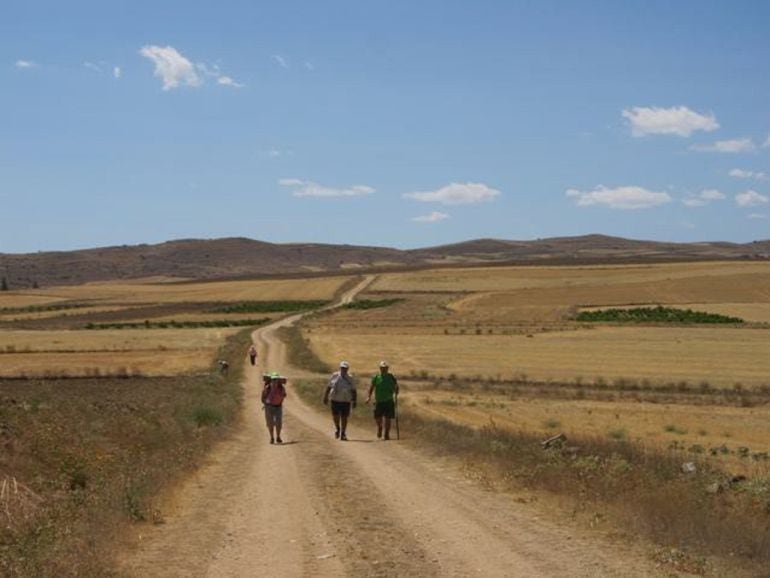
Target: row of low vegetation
180,324
82,460
372,303
269,307
600,388
43,308
657,314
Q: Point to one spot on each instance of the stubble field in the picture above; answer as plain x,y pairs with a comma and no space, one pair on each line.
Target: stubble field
499,345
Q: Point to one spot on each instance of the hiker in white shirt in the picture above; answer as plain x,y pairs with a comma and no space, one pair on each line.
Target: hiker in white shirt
342,393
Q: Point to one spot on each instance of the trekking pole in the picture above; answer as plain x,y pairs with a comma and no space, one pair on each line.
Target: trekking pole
395,408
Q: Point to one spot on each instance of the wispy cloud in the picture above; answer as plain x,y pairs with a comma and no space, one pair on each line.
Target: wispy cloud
751,199
456,194
628,197
171,67
303,188
737,145
280,60
433,217
92,66
758,216
309,65
742,174
176,70
766,144
678,120
703,198
116,72
227,81
25,64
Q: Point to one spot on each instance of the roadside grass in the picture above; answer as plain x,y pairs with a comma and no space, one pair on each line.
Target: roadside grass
84,459
300,353
704,513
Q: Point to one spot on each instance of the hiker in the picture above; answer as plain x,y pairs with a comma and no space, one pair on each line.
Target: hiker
385,388
273,394
342,392
253,354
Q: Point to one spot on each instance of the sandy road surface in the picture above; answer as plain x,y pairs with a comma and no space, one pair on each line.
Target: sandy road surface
315,506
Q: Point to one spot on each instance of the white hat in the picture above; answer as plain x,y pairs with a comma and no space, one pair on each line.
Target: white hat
344,364
383,363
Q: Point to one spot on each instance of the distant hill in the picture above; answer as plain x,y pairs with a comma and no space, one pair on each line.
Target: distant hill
241,258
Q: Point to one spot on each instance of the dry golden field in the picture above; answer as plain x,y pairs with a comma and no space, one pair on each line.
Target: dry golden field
505,322
691,428
515,325
155,292
720,356
55,342
108,352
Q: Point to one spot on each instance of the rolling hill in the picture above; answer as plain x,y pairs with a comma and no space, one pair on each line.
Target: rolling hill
242,257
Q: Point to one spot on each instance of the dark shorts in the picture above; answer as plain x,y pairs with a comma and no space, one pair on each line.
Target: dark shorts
274,415
341,408
385,409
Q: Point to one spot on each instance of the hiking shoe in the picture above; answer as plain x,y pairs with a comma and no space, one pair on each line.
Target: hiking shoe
387,435
278,440
272,441
336,434
343,437
379,432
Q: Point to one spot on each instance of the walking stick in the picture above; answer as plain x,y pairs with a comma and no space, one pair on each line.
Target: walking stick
395,408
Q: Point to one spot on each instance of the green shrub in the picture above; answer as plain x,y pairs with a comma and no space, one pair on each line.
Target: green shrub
657,314
270,306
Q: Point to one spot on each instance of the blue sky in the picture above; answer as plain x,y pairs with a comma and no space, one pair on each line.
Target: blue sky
394,123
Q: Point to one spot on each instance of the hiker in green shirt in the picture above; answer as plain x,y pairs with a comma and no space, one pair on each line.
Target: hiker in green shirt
385,388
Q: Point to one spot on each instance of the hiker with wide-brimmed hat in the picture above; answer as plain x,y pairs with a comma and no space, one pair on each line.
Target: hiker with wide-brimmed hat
273,394
341,390
385,389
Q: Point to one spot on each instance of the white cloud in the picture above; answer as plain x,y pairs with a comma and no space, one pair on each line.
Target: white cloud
456,194
766,144
116,72
433,217
619,198
273,153
227,81
703,198
92,66
678,120
751,199
309,65
173,68
280,60
304,188
736,145
758,216
25,64
742,174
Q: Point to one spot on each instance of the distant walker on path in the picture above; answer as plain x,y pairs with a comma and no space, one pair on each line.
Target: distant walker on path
253,354
385,388
342,393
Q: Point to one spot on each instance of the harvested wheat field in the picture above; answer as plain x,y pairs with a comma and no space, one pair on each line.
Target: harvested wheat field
136,292
151,352
721,357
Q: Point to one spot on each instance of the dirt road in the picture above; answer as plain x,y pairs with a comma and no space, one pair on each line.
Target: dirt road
315,506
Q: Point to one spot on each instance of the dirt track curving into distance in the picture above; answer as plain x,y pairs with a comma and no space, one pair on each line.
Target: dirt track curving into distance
315,506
